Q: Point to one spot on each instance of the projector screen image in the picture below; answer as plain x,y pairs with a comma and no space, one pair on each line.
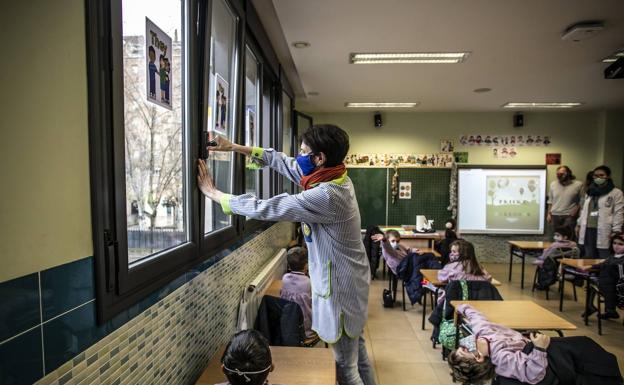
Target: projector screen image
510,201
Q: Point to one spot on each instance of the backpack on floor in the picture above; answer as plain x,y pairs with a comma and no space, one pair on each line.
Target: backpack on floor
447,333
546,274
619,288
388,301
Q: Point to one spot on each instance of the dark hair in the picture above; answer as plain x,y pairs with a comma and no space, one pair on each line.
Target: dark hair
297,258
393,233
330,140
568,170
247,351
468,257
615,236
566,231
151,49
604,168
468,371
589,178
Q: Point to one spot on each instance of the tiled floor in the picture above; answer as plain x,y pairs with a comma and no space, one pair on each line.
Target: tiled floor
402,352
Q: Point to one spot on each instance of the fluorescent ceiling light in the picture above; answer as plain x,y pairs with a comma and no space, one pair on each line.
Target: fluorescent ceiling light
541,105
614,56
409,57
380,105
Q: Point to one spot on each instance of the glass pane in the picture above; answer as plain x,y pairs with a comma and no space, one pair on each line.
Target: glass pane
251,116
286,136
221,104
154,121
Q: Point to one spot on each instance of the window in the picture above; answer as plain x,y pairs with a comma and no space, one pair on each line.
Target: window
163,76
287,137
221,107
252,118
154,126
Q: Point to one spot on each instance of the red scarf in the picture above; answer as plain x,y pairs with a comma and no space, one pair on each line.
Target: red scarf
322,175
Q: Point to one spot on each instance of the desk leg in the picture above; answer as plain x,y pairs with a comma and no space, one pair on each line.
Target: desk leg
561,289
587,298
458,322
522,273
511,249
424,309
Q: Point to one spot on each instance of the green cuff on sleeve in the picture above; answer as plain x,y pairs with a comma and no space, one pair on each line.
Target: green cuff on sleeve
225,204
256,152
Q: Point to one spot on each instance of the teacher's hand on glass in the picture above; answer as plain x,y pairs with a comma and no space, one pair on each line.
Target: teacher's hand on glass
220,143
206,183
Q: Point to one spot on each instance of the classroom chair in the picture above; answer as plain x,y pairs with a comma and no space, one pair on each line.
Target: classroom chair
572,252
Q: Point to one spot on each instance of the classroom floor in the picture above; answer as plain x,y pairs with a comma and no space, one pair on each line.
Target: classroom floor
402,352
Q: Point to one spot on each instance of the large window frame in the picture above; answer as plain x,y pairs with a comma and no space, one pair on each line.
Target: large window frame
118,285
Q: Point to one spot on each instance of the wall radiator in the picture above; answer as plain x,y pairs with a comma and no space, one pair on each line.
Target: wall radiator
253,292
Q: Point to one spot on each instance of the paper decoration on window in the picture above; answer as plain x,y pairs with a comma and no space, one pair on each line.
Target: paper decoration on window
158,49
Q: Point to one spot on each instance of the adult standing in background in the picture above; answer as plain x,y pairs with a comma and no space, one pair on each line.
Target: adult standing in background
602,214
328,210
563,199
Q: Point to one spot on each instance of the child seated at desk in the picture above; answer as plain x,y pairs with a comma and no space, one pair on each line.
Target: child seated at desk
247,359
296,286
562,240
463,264
610,275
392,250
495,349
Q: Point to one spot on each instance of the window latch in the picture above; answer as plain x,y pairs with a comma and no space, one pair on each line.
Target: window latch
110,252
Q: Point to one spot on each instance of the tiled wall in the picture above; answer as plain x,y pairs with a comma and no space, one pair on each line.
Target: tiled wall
48,326
495,248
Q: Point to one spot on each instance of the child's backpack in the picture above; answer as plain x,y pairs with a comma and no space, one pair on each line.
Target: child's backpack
388,301
547,274
619,287
447,326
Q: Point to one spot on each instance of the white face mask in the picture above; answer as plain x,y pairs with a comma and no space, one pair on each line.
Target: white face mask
558,238
395,245
454,256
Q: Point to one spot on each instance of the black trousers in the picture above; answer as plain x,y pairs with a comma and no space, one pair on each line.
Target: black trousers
609,277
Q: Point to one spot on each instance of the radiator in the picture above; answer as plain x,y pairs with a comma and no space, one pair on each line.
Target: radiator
253,292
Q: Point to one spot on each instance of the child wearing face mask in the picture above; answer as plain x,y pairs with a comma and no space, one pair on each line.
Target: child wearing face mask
462,264
392,250
611,270
562,240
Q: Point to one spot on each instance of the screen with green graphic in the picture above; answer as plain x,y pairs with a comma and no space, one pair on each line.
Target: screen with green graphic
510,201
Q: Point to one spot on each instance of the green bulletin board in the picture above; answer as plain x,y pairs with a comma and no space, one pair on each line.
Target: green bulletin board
430,195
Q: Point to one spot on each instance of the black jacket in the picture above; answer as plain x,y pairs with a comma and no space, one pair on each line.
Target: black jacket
409,271
444,248
280,321
373,249
477,290
577,360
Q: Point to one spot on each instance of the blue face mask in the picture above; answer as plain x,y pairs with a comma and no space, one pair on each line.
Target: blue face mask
306,164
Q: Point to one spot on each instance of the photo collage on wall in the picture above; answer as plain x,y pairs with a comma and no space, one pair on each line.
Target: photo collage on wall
400,160
505,146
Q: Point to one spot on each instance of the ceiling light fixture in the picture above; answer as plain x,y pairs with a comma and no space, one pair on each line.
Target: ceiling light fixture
614,56
408,58
541,105
482,90
313,93
301,44
381,105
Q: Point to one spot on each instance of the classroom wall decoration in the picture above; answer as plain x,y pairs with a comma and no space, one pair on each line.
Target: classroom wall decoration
446,145
553,158
505,140
504,152
444,160
158,65
461,157
405,190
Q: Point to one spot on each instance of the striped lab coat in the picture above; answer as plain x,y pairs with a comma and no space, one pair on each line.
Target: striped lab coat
330,221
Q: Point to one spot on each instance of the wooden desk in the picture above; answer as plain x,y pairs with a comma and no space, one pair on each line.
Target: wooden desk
580,268
293,366
431,275
274,288
519,315
519,249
